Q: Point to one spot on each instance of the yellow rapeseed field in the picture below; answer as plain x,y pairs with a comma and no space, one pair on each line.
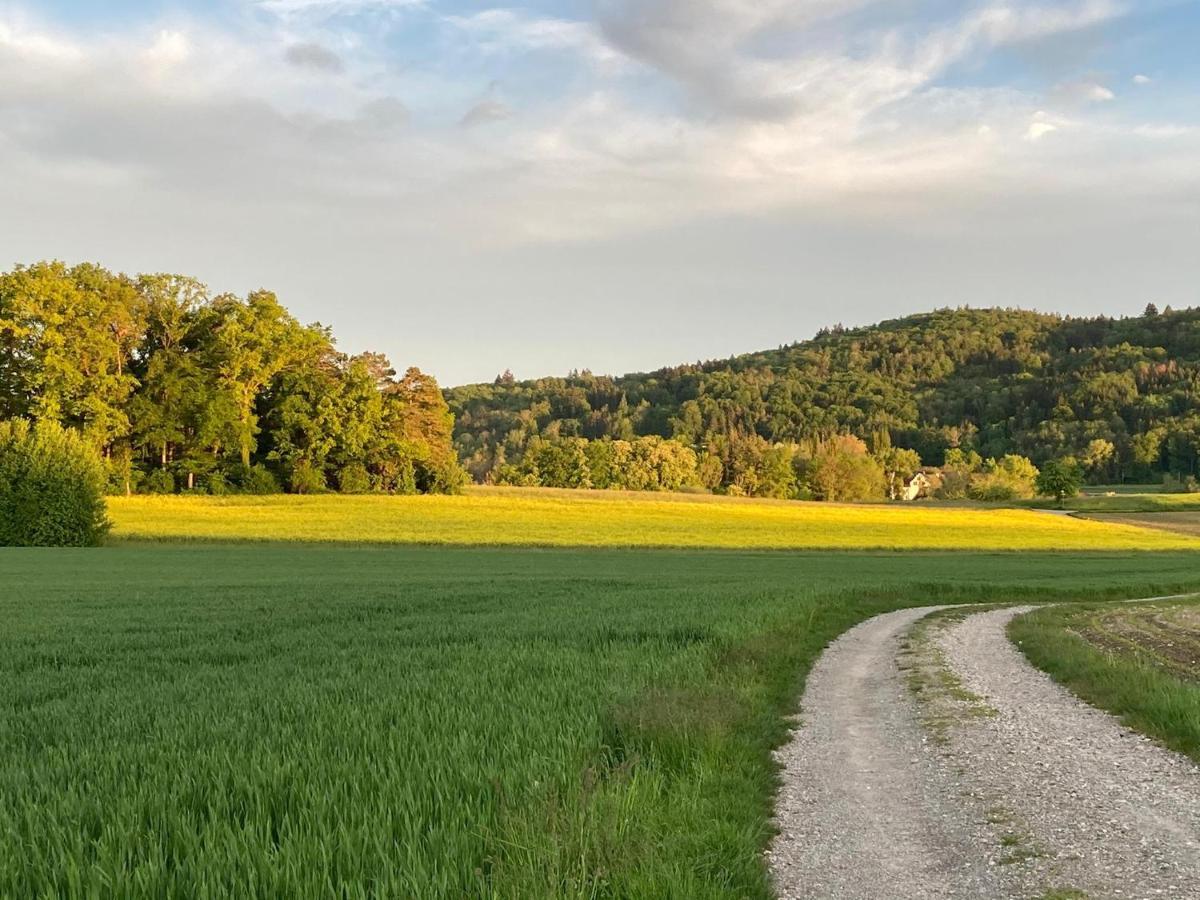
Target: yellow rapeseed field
536,517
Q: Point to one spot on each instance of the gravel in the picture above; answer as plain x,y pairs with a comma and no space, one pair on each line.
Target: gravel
1116,814
864,810
995,783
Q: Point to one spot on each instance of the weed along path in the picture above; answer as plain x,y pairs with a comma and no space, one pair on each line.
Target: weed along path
932,761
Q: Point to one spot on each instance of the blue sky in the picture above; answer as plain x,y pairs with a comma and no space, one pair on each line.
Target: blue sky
610,184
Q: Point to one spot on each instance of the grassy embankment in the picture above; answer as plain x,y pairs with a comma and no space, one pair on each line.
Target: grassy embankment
501,517
288,720
1138,661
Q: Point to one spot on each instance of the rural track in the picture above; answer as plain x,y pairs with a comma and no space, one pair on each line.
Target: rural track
1023,789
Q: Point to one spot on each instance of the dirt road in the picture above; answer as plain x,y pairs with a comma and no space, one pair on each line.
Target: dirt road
993,782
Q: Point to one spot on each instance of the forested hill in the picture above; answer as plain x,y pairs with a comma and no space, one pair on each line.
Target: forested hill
1121,395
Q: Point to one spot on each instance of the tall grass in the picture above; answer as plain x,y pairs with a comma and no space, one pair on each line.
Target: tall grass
275,721
606,519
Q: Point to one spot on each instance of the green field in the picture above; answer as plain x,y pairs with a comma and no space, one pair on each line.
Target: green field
610,519
1126,503
300,721
1139,661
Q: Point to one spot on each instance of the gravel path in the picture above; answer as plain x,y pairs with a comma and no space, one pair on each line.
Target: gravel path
863,811
1115,814
997,783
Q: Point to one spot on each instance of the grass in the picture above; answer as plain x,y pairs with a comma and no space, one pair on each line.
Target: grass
1125,503
283,721
1140,662
525,517
1179,522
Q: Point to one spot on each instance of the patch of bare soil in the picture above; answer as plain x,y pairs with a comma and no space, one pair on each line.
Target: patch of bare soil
1168,636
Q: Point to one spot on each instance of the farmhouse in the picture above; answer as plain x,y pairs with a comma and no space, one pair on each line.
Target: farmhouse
922,486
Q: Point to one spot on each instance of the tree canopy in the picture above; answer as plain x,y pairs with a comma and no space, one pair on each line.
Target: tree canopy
1121,395
179,389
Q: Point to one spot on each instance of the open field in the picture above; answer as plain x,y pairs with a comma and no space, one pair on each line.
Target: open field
1178,522
608,519
1139,661
188,721
1093,490
1125,503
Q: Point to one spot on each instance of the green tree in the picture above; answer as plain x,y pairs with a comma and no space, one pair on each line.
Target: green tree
900,465
843,471
1060,479
67,337
250,343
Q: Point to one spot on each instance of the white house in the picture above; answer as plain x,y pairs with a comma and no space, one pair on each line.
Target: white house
920,486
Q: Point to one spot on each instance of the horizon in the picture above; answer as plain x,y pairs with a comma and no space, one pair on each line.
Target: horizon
563,185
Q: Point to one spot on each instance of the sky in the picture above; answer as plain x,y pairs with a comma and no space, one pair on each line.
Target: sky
613,185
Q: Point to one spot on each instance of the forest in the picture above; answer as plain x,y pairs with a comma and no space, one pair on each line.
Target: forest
987,393
179,390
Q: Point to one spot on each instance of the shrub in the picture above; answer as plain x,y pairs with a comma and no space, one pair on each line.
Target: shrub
52,486
354,479
306,478
256,479
218,484
1173,484
159,481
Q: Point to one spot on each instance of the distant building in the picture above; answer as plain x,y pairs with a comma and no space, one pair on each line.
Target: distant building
922,486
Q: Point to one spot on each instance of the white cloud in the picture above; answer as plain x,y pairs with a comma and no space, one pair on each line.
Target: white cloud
508,30
810,122
1083,92
170,48
485,111
1142,80
230,152
1039,129
335,7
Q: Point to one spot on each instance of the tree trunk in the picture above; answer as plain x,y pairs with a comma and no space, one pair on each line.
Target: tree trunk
191,480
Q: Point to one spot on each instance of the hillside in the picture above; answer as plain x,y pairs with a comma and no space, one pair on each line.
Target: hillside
1119,394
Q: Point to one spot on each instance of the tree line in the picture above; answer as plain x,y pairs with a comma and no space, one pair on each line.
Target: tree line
1119,397
182,390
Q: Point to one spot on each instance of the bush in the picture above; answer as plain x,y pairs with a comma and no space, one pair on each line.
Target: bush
1172,484
306,478
256,479
52,486
159,481
354,479
218,484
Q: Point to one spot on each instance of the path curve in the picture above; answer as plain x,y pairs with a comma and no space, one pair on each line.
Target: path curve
1119,814
860,812
870,807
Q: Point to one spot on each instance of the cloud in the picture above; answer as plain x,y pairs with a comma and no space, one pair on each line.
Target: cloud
314,56
1038,130
384,113
508,30
1082,92
1142,80
487,110
701,109
335,7
170,48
